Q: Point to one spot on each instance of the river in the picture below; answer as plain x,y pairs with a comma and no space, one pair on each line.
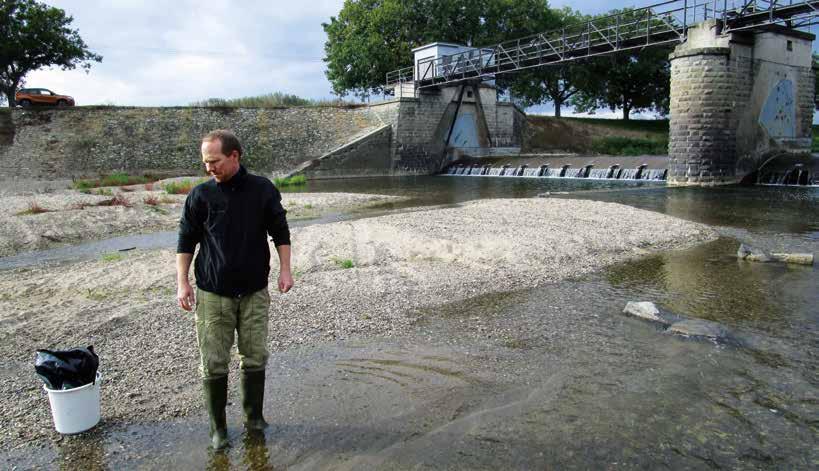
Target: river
579,386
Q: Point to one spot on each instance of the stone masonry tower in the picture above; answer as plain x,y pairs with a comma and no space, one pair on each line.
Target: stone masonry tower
737,101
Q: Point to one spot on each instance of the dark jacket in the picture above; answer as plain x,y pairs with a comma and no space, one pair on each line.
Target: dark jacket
231,220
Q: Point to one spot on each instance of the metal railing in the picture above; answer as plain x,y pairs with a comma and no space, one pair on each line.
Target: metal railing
656,25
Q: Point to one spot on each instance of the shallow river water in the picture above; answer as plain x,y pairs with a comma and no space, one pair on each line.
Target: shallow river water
549,378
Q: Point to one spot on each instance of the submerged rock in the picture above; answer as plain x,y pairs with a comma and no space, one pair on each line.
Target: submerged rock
754,255
795,258
699,328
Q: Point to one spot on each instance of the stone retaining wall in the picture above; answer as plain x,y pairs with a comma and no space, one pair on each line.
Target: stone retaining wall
87,141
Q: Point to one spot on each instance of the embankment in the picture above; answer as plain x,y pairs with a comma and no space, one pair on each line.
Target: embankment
86,141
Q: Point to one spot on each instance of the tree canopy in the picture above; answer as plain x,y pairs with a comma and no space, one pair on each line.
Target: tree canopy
36,35
631,81
555,83
369,38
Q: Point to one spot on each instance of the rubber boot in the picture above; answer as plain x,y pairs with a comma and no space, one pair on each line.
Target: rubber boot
253,399
216,401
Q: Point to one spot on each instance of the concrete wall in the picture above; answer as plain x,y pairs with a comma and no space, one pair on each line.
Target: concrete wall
736,101
405,136
87,141
366,156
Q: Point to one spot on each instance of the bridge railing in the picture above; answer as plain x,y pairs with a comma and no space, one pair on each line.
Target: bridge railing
659,24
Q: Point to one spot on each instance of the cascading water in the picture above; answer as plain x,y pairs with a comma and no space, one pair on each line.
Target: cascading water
611,173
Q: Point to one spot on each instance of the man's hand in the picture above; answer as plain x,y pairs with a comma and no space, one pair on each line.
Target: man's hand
285,281
184,294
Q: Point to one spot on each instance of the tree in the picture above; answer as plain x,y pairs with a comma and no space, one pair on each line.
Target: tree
369,38
36,35
555,83
635,80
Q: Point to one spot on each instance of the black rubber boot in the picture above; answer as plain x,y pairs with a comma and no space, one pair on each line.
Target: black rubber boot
216,401
253,399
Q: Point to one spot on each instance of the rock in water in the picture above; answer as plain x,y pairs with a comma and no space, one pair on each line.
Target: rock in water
644,310
698,328
796,258
751,254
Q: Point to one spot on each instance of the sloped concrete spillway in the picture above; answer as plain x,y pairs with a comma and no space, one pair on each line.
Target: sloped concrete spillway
613,172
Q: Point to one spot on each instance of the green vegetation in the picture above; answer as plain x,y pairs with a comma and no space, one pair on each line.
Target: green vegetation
114,179
629,146
343,263
33,208
112,257
271,100
183,187
659,126
369,38
815,143
295,180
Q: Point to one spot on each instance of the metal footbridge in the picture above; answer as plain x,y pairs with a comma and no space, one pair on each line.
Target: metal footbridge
655,25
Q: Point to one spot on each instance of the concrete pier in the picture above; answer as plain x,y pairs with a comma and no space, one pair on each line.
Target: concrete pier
738,101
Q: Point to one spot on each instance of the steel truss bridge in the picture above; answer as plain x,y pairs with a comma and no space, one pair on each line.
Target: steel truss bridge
655,25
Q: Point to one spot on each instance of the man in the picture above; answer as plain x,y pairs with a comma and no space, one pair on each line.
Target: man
229,217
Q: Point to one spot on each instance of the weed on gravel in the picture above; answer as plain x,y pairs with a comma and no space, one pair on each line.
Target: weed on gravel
33,208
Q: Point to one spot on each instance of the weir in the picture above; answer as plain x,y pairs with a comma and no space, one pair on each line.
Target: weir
742,91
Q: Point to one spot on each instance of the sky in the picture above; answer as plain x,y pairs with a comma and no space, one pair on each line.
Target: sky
178,52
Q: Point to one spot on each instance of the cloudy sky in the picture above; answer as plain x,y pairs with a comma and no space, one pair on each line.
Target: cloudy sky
177,52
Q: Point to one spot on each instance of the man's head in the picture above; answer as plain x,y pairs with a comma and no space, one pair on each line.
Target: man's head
221,152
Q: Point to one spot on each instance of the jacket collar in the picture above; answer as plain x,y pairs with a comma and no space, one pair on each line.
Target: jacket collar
236,180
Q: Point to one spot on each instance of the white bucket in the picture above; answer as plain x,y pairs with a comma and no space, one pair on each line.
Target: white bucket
75,410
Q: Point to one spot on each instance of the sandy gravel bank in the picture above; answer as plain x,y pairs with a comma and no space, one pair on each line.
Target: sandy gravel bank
400,263
73,217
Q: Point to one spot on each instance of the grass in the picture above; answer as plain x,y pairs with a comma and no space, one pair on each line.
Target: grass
33,208
295,180
114,179
270,100
183,187
629,146
112,257
344,263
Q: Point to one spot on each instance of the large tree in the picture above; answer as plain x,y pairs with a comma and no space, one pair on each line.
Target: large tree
631,81
35,35
554,83
369,38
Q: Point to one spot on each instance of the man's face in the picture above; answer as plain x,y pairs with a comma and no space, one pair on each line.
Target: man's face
222,167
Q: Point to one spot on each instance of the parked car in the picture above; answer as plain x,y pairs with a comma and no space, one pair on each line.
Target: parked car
26,97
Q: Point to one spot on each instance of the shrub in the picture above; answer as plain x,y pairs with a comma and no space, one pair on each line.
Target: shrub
295,180
151,200
271,100
33,208
183,187
114,179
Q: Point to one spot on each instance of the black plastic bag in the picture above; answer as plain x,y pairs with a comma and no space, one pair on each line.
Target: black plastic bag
67,369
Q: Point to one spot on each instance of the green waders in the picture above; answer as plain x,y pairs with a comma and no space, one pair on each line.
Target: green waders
217,317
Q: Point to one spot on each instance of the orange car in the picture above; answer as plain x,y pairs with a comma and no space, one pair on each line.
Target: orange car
26,97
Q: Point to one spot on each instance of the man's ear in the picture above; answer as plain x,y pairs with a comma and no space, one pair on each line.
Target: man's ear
235,154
